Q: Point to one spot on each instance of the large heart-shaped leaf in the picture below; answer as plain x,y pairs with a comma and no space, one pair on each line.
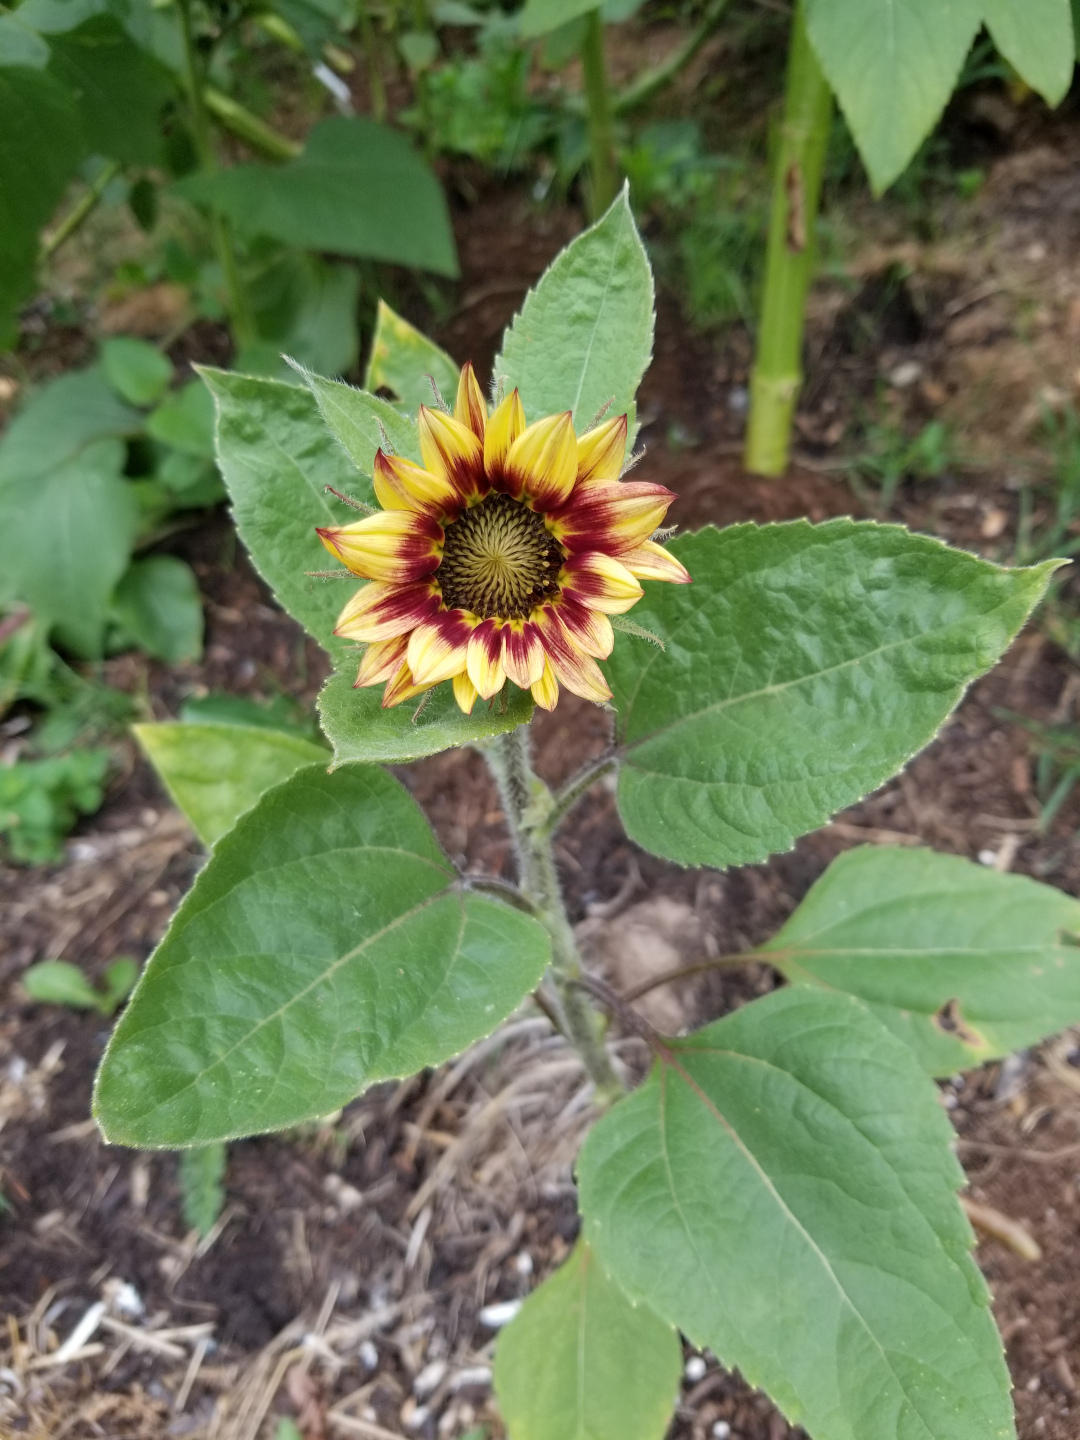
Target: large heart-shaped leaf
326,945
804,666
215,773
277,458
893,65
360,729
584,335
583,1362
782,1190
359,188
962,963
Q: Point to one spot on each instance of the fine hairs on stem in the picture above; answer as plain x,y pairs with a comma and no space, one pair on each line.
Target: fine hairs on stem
533,813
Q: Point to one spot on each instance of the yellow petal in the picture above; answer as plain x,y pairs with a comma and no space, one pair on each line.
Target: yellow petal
464,692
401,485
600,452
451,450
402,687
469,406
651,561
545,691
541,465
439,648
601,582
380,612
523,653
503,428
484,662
382,661
394,545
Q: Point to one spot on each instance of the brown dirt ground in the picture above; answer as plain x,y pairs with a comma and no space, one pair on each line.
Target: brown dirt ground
346,1283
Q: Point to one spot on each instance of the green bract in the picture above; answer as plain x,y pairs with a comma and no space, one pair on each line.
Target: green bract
781,1188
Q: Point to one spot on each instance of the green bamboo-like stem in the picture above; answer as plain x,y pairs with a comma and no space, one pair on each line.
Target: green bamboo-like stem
603,164
371,52
777,375
243,321
83,207
530,811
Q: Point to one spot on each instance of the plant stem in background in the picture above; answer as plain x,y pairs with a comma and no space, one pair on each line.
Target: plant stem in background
603,163
371,52
800,161
644,86
241,122
532,814
243,322
84,206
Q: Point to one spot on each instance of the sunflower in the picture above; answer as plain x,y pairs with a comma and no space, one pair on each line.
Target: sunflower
501,557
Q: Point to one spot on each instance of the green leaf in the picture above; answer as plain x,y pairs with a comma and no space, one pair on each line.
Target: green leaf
360,422
539,17
359,188
120,979
893,65
119,89
402,359
582,1362
277,458
159,605
1036,37
360,729
138,372
326,945
40,800
20,44
584,335
43,143
782,1189
306,307
960,962
56,982
60,420
185,420
804,665
65,539
217,772
202,1170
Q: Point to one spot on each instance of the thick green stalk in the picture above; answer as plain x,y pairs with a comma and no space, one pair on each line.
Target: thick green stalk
603,163
800,161
243,322
530,812
240,121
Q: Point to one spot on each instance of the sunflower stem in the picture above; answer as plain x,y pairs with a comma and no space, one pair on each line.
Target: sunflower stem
532,812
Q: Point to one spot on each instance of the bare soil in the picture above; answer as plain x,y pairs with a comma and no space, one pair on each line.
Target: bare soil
349,1281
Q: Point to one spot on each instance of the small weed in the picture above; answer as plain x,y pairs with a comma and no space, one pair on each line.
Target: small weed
56,982
890,456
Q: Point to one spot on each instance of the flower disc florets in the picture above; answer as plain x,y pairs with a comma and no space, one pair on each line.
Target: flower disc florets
501,557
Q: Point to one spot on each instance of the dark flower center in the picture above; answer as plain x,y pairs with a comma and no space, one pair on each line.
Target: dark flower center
499,560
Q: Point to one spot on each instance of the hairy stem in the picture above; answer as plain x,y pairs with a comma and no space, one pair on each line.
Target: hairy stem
243,322
800,162
529,804
603,164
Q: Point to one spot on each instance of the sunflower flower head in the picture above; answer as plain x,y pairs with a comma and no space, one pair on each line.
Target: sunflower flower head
501,557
